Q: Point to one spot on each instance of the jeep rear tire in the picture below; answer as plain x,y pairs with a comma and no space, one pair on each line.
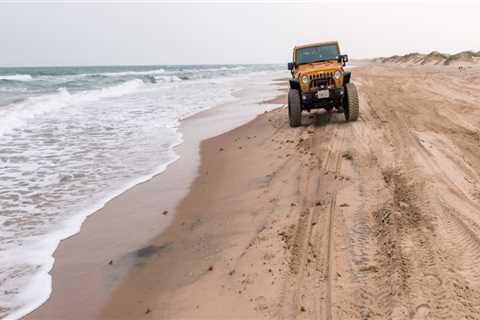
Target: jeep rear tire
351,102
294,108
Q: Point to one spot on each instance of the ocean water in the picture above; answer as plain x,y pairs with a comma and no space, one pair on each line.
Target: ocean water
71,138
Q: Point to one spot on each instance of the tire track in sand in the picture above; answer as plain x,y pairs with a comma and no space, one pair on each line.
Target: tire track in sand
330,226
312,256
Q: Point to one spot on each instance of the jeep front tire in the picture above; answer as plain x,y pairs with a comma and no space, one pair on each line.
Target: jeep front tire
351,102
294,108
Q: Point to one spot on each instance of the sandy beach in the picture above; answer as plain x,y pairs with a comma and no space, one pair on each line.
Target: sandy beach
239,160
372,219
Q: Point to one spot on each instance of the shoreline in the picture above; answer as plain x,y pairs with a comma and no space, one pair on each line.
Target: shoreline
178,175
71,228
189,250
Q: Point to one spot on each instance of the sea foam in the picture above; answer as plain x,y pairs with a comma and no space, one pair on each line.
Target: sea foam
17,115
17,77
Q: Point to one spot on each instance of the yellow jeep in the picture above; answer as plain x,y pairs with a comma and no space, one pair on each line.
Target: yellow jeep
319,81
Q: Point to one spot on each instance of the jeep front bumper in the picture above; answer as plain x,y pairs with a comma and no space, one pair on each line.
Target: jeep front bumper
317,99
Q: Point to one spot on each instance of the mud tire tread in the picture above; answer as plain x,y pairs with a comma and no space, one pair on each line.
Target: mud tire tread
294,108
352,103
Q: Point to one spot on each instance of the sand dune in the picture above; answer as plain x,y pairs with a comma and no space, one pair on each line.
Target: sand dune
433,58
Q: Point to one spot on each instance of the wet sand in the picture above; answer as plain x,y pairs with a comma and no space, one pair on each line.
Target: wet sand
89,265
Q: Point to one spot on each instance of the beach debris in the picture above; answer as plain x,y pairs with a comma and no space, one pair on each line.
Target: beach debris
110,262
347,155
403,205
344,205
369,269
283,235
148,311
165,212
302,309
318,203
268,256
221,149
232,272
293,204
210,268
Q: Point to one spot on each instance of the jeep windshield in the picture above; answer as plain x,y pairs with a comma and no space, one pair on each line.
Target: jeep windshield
316,54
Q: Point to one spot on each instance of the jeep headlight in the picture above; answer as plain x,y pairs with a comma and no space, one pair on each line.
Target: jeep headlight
305,79
338,74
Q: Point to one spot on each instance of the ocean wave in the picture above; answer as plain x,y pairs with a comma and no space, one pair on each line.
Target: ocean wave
118,73
224,68
17,77
13,89
131,73
236,68
72,77
16,115
168,78
157,72
170,75
160,74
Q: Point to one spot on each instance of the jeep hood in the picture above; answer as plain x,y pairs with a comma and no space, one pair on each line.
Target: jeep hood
317,66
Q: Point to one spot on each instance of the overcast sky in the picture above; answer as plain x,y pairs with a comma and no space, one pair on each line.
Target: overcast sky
105,33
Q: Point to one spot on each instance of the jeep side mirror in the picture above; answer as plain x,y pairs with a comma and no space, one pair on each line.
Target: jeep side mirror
343,58
291,65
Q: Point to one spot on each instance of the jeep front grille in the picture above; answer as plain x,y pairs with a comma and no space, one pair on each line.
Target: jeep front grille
322,78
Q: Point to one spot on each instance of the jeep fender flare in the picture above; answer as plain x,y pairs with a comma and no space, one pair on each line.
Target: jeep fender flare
294,84
346,77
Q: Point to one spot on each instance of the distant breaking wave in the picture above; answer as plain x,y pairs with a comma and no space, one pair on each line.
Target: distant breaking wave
17,77
158,74
16,115
128,73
